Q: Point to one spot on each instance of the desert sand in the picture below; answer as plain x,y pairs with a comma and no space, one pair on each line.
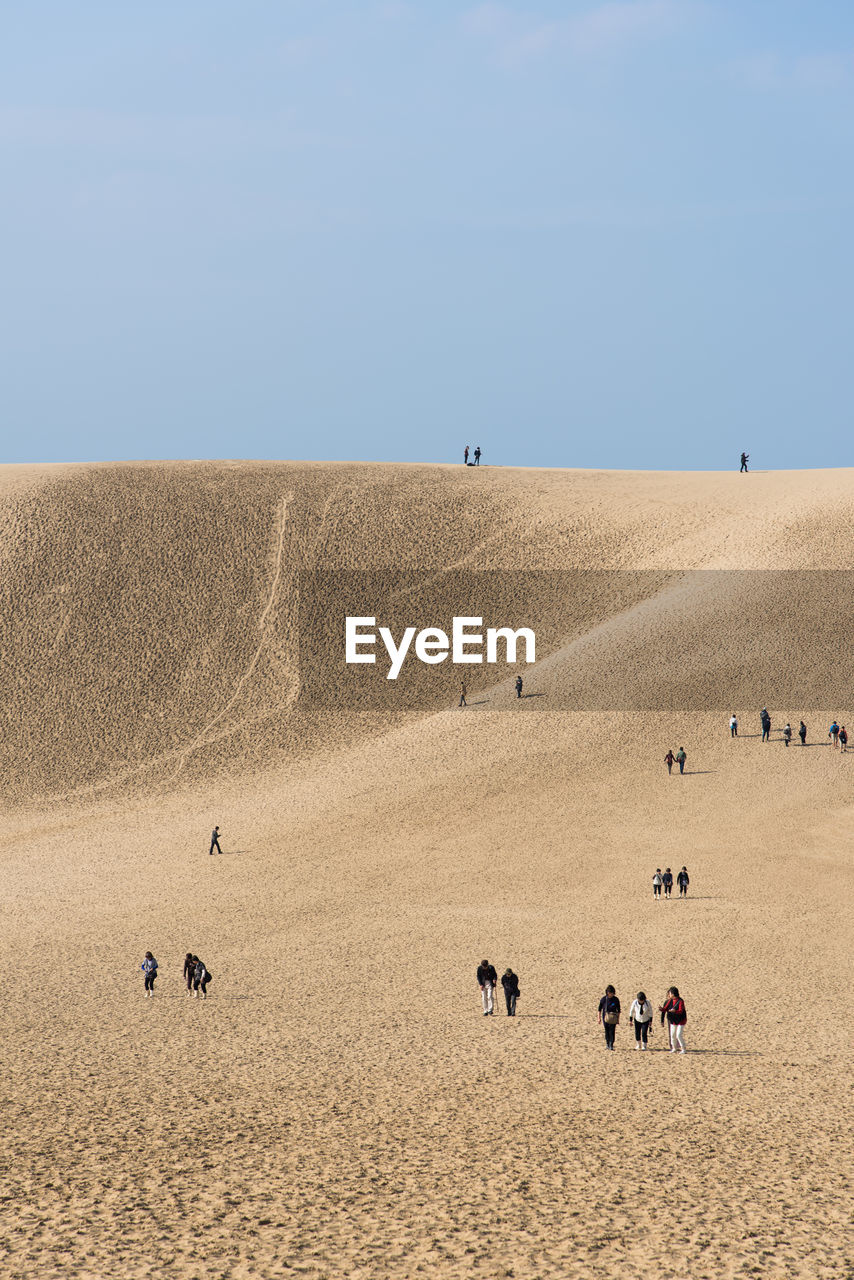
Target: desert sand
339,1106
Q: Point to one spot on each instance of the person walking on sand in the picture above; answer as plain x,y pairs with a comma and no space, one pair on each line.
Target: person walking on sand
463,702
609,1015
518,686
486,980
510,983
745,458
802,734
640,1015
833,732
466,456
733,726
149,968
667,881
201,978
656,883
843,739
215,841
673,1010
787,733
477,456
669,760
683,882
765,721
189,971
681,757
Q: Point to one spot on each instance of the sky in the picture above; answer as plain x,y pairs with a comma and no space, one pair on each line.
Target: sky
589,233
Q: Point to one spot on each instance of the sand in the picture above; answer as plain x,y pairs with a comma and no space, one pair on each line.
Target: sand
339,1106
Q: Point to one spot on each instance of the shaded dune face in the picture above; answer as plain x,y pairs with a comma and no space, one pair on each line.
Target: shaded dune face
156,618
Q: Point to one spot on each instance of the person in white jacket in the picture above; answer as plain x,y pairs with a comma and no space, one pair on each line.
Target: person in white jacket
640,1015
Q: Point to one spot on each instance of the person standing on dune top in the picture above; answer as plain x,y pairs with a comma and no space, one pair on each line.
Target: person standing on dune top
215,841
477,456
745,458
466,456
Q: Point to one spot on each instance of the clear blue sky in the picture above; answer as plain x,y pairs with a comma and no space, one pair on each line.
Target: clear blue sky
587,234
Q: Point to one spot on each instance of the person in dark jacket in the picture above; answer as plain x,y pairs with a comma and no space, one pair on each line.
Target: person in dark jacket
802,734
215,841
510,983
466,455
669,760
745,458
477,456
189,971
518,686
201,978
486,980
609,1015
667,881
765,721
673,1010
843,739
683,882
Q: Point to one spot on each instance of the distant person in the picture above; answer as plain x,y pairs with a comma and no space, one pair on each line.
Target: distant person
486,980
681,757
745,458
656,883
609,1015
201,978
149,968
733,726
189,971
510,983
640,1015
477,456
518,686
683,882
466,456
765,721
673,1010
463,702
833,732
669,760
843,739
802,734
667,882
787,733
215,841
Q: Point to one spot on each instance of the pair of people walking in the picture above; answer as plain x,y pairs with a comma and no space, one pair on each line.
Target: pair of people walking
839,735
487,980
670,759
196,975
640,1016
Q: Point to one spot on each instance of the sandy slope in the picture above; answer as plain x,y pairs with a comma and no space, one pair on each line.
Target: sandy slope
339,1106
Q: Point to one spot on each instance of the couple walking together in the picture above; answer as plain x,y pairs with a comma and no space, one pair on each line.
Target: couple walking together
487,980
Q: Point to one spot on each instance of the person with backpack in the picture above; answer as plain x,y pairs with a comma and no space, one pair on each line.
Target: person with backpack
510,983
673,1010
667,881
833,732
609,1015
843,739
683,882
656,883
787,733
518,686
201,978
733,726
765,721
189,971
149,968
486,980
640,1016
802,734
669,760
681,757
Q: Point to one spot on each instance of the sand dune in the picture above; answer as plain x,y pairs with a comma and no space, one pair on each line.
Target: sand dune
339,1106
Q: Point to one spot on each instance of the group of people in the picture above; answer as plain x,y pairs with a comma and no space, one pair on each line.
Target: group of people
464,690
670,760
196,975
476,456
640,1016
664,880
837,733
487,980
